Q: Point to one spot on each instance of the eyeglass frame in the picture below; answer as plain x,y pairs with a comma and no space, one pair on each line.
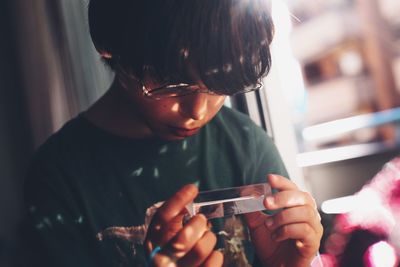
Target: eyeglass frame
149,93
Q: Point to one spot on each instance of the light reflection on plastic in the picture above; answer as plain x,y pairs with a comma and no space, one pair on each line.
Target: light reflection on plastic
381,254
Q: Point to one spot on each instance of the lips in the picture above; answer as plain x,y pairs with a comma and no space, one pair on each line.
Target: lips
183,132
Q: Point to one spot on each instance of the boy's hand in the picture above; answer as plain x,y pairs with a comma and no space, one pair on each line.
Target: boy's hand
291,237
191,244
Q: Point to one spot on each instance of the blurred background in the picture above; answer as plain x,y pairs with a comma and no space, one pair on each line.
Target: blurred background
331,101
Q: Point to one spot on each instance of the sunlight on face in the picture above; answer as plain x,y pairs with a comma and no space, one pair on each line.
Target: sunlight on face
175,107
172,118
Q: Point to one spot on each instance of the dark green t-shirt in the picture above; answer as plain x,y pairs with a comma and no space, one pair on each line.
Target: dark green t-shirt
88,191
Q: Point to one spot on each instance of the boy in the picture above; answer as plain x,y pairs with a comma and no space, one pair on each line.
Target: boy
95,190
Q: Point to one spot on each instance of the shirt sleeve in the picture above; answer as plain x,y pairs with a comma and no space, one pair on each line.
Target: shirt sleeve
54,232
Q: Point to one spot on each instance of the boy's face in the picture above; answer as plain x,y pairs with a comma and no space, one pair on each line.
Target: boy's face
172,118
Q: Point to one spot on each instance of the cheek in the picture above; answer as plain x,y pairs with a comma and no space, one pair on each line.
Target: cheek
217,102
161,110
165,107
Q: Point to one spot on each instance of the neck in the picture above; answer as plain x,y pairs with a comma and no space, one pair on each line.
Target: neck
115,113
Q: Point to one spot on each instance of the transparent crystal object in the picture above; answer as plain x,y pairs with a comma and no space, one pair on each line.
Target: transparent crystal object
230,201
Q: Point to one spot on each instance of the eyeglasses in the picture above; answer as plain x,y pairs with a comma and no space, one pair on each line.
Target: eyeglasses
168,90
184,89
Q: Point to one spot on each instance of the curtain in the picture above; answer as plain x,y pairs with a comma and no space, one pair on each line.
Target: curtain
60,69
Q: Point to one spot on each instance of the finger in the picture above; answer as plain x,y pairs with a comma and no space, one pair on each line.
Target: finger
163,260
167,221
281,183
287,199
176,204
216,259
200,251
299,231
187,237
300,214
307,240
255,219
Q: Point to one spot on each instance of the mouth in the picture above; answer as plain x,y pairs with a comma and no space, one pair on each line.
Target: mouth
183,132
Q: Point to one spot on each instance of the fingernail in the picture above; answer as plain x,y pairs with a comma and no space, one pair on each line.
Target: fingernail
272,176
270,201
299,244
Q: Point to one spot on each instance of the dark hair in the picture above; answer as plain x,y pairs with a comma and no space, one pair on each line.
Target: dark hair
226,41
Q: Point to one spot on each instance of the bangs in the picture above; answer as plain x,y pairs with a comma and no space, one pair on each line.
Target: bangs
225,41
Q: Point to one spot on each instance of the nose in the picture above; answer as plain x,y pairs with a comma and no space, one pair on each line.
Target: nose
194,106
